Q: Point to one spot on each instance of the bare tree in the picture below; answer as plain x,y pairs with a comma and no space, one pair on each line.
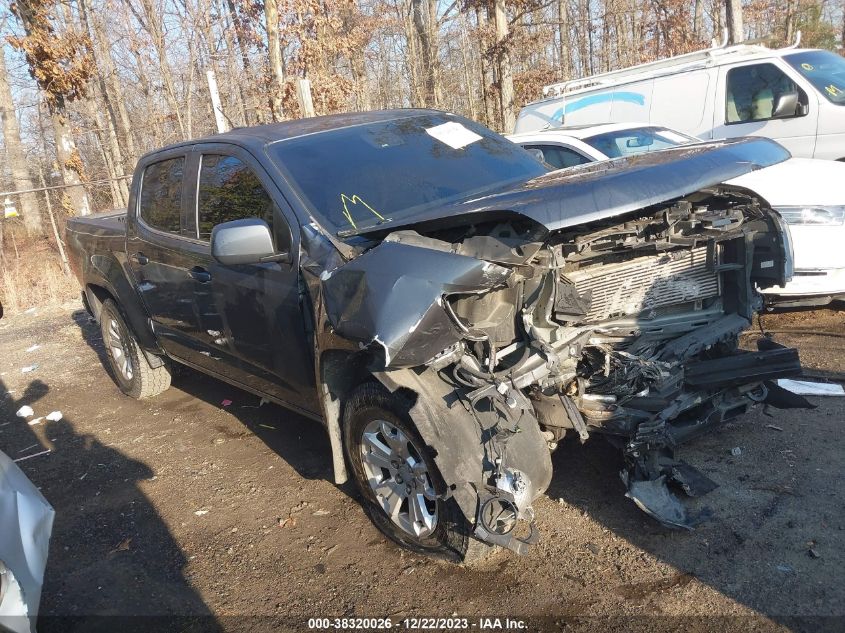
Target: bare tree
425,21
733,17
504,64
271,17
60,66
21,179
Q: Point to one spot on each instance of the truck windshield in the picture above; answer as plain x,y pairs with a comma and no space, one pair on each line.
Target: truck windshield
636,141
360,176
823,69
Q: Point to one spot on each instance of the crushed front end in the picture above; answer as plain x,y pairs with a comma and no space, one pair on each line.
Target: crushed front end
626,327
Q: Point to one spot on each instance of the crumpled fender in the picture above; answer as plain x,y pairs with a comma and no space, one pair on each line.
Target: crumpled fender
460,447
391,297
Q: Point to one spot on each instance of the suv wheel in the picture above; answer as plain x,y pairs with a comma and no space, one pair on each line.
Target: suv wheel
129,366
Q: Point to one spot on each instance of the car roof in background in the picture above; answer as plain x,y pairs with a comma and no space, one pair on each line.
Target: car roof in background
584,131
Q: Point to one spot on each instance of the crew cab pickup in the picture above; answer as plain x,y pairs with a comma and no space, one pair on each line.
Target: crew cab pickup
447,307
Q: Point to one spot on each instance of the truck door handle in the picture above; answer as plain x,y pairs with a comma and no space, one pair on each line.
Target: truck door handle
200,274
139,258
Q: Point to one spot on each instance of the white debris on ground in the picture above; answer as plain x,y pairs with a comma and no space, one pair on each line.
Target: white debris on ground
28,368
54,416
806,388
25,457
25,411
33,348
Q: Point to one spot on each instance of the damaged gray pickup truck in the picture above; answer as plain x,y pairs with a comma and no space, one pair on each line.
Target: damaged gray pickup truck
448,307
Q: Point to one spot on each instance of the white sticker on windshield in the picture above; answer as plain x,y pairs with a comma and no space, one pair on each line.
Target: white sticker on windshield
453,134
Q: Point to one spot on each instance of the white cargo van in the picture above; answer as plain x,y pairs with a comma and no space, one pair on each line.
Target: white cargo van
794,96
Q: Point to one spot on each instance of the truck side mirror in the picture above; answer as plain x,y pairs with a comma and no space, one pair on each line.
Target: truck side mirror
246,241
786,106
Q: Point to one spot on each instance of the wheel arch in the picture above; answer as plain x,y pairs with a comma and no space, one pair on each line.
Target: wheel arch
340,372
106,279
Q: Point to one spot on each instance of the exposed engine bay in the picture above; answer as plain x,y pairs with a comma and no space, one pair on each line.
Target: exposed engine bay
625,327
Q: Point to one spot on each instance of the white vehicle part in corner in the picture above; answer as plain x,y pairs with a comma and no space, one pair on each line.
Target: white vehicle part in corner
26,521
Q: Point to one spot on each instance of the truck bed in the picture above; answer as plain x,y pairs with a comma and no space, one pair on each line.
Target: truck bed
108,223
99,234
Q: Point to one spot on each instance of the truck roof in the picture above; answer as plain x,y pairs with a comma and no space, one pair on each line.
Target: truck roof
259,135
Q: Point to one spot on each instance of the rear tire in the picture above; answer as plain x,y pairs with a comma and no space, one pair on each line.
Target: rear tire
378,433
129,366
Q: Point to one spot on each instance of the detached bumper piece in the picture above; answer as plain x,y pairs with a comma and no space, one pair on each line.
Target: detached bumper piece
743,368
737,382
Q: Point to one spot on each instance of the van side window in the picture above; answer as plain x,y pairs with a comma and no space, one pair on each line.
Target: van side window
161,194
560,157
752,92
229,190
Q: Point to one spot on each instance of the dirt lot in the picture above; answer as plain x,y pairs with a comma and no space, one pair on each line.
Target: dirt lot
181,506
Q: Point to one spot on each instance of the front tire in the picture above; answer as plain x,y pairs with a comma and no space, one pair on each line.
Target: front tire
129,366
397,477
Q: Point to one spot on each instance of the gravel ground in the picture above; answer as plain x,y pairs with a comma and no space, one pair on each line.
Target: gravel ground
182,506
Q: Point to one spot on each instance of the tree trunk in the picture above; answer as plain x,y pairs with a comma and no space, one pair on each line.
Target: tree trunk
484,66
504,63
413,59
151,21
111,89
249,115
59,244
426,37
75,199
698,19
21,180
271,15
464,58
564,55
733,17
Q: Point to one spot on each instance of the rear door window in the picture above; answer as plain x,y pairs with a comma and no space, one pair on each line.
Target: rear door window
560,157
229,190
161,195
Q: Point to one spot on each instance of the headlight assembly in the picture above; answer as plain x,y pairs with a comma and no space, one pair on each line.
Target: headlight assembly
815,216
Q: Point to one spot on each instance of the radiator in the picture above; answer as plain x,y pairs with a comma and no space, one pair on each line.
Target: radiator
644,283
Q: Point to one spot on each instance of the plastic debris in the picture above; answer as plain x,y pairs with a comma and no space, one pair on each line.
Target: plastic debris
736,451
813,553
28,368
54,416
773,427
199,513
32,348
25,411
26,520
226,403
20,459
321,513
786,569
35,421
806,388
